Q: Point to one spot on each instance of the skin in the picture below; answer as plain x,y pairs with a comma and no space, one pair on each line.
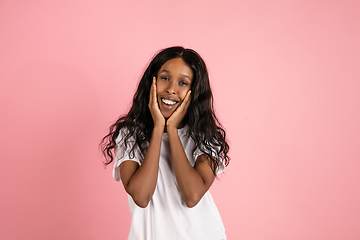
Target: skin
173,84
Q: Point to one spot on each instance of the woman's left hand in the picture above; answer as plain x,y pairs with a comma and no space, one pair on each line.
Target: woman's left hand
176,118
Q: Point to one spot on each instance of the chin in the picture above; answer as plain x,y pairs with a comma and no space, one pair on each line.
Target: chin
167,114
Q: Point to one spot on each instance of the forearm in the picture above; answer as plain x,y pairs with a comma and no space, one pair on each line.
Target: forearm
141,185
191,184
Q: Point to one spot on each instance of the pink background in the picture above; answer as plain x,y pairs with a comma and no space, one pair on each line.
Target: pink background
286,80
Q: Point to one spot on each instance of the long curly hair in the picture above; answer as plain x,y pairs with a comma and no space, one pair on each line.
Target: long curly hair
204,127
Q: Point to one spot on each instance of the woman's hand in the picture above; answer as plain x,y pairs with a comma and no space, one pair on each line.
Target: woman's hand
179,114
158,118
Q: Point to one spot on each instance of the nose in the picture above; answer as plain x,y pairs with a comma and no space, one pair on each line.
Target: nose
171,89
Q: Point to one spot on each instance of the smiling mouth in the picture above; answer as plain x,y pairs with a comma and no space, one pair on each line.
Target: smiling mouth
168,101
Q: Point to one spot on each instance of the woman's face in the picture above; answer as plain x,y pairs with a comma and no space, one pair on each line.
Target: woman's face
173,82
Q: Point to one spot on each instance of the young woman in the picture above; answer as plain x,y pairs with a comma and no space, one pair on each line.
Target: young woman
168,149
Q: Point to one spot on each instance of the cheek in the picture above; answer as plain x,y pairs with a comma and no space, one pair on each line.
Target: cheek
159,87
182,95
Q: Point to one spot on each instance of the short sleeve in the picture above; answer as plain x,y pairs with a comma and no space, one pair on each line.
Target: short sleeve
198,152
122,154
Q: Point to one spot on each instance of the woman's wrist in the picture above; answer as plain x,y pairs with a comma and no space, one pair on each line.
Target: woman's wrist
171,130
159,128
171,124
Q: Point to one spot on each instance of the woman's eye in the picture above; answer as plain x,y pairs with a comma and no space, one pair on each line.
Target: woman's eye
183,83
165,78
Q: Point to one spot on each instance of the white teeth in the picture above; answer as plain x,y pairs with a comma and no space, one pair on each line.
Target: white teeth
168,102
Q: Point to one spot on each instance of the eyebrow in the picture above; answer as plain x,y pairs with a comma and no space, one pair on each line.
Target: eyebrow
184,75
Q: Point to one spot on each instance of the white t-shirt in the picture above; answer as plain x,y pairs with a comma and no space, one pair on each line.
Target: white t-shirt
167,217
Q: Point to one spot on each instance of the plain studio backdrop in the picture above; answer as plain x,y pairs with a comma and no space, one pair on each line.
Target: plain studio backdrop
286,82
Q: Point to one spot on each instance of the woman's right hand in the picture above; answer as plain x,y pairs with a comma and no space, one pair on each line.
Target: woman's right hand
158,118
